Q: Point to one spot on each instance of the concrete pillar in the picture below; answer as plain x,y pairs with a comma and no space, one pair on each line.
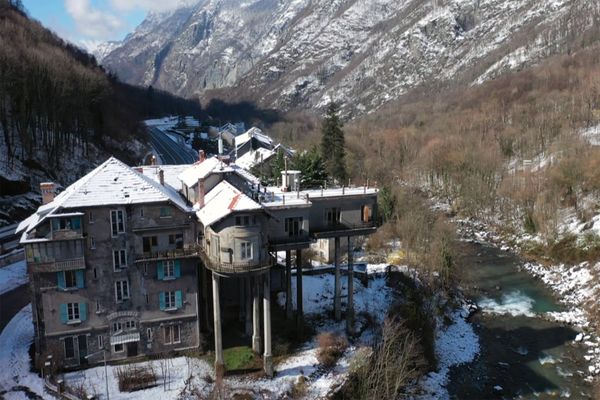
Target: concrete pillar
248,306
299,308
256,317
337,296
288,283
267,356
219,366
350,308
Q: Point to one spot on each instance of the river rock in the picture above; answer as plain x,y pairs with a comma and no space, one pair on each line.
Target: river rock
579,337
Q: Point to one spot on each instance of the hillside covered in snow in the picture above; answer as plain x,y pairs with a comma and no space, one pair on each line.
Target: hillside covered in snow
292,54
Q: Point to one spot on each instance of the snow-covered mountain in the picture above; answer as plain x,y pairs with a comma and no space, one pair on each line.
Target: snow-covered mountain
302,53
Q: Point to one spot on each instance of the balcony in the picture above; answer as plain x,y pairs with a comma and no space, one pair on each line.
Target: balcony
344,228
303,240
170,254
236,268
39,264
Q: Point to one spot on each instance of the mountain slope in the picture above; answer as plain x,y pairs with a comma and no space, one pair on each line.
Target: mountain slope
301,53
61,113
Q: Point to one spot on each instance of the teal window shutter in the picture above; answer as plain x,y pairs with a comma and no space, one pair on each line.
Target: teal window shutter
161,300
82,311
160,270
179,299
63,313
79,278
60,280
75,223
177,268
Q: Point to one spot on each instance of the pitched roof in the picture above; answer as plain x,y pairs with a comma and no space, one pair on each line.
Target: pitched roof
221,201
210,166
111,183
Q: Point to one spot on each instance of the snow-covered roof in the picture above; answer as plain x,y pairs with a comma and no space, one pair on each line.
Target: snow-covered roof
221,201
111,183
253,133
213,166
254,157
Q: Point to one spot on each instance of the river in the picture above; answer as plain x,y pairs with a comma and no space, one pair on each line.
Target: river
523,355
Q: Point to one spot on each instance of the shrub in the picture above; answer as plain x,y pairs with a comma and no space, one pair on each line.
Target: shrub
135,377
331,348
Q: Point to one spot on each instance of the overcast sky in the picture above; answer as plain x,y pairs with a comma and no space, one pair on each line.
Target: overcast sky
89,22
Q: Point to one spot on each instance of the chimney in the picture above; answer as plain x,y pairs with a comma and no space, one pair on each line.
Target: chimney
201,156
47,189
220,144
201,190
161,177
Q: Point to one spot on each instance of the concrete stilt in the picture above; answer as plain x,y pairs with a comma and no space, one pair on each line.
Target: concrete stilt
219,366
256,317
299,308
248,306
267,356
350,308
337,296
288,283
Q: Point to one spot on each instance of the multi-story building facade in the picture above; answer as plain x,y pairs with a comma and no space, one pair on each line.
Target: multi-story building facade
140,261
112,266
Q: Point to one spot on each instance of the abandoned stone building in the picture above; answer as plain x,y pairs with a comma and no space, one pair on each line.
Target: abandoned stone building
145,260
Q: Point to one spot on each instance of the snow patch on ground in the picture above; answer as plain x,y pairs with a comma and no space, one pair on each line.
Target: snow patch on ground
12,276
455,344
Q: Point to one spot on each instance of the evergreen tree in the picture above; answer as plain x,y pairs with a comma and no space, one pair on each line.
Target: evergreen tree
333,149
310,164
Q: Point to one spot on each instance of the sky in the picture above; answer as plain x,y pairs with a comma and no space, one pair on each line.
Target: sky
88,23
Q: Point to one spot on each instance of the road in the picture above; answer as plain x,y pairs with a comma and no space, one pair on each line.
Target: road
12,302
170,152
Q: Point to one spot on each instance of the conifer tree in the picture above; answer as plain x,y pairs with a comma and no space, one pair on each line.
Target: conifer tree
333,149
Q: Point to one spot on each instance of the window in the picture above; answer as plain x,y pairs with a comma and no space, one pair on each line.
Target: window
97,306
170,300
169,269
130,324
147,299
119,259
73,311
70,279
165,212
142,212
176,240
121,290
100,341
366,213
117,222
332,216
243,220
95,273
92,243
246,251
119,348
69,348
117,327
91,217
172,334
293,226
149,334
149,242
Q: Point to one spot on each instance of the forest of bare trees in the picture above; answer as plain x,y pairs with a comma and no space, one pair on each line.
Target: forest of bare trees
55,98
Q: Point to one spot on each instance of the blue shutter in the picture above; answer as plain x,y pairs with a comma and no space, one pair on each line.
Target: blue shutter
63,313
60,280
79,278
75,223
82,311
178,299
161,300
177,268
160,270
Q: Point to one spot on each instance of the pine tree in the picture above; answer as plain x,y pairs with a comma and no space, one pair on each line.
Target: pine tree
333,144
310,164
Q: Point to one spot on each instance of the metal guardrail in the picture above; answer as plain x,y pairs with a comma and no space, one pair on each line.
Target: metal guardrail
191,251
